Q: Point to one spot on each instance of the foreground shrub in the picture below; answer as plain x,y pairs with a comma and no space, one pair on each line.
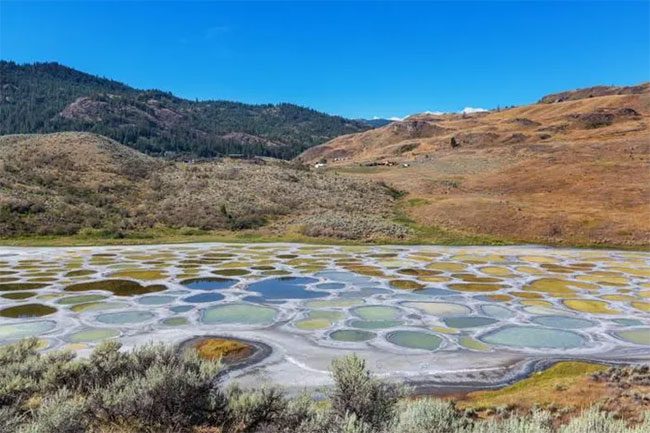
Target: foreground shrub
428,415
356,392
62,412
248,411
538,422
596,421
154,388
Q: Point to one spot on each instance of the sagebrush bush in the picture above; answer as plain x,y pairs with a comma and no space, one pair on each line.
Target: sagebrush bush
596,421
538,422
61,412
352,226
248,411
154,387
356,392
428,415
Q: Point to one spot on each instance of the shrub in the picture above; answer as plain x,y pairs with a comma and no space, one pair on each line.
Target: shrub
428,415
154,388
352,226
595,421
247,411
538,422
357,392
62,412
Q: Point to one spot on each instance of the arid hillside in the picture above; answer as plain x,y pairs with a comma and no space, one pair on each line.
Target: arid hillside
70,183
573,168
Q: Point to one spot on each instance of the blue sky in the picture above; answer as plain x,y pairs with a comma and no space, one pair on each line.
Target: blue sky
360,59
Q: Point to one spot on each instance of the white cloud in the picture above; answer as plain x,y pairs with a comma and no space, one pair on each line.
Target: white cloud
466,110
470,110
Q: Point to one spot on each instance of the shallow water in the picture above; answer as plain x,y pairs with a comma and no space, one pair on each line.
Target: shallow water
208,283
562,322
287,288
351,335
442,299
468,321
245,314
414,339
533,337
125,317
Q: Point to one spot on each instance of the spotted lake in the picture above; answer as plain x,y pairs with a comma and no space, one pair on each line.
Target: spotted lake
425,313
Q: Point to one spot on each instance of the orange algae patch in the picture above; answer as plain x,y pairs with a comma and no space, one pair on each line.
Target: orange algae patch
529,270
406,284
536,303
418,272
620,298
475,287
558,268
223,349
605,278
558,287
496,271
433,279
471,278
589,306
637,272
527,295
365,270
474,258
538,259
499,297
643,306
447,266
140,274
118,287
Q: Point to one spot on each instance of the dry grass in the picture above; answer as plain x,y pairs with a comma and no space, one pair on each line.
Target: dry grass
539,173
571,387
564,384
87,185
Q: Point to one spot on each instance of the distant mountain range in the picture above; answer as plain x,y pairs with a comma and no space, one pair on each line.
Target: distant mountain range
375,123
49,97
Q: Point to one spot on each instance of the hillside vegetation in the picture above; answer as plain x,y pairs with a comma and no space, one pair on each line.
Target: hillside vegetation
572,169
48,97
67,183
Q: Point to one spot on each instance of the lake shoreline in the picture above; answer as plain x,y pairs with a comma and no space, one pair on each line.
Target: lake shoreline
516,372
256,238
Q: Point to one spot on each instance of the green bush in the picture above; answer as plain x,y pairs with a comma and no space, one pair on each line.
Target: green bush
62,412
595,421
428,415
357,392
248,411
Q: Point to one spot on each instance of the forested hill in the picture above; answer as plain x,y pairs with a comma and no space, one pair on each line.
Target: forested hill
48,97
